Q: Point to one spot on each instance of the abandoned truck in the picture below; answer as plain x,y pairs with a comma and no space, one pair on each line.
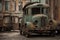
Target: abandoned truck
36,21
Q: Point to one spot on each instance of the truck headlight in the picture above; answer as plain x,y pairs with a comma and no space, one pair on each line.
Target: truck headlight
35,22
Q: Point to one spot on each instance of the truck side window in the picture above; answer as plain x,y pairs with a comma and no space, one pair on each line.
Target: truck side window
26,11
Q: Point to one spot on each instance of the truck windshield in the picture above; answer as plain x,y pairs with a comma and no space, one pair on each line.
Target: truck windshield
38,10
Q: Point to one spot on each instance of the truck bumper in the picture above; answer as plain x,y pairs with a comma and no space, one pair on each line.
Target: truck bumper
42,31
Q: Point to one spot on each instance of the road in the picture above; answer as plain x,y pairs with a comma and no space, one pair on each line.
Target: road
17,36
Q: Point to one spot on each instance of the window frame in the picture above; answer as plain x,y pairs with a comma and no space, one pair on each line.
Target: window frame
7,5
5,19
0,5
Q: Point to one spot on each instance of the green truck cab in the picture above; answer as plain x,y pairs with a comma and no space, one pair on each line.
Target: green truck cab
36,20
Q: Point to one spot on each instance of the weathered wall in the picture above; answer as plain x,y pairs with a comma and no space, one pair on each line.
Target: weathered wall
55,9
11,12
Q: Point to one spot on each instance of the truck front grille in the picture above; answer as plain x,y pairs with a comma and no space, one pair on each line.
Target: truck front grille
43,21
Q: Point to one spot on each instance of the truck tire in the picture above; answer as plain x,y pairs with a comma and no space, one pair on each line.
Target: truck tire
22,33
27,35
53,34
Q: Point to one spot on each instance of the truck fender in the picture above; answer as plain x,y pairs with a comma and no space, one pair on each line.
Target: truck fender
30,25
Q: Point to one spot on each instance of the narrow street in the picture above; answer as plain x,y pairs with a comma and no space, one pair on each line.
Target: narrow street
17,36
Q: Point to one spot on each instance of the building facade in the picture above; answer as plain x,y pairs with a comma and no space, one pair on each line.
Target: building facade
54,9
10,13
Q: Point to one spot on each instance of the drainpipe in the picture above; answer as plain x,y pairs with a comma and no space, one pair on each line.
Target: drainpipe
52,9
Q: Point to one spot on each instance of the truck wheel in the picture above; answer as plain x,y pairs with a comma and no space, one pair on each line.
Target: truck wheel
27,35
53,34
22,33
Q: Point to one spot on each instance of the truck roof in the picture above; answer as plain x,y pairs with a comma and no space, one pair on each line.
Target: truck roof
41,15
30,5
